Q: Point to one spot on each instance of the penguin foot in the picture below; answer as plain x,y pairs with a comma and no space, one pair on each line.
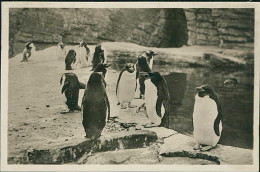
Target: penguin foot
197,146
65,111
131,106
77,108
207,148
150,125
123,106
141,107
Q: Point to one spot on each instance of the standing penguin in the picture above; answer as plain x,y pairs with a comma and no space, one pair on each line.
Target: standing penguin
157,99
71,88
95,106
126,86
142,66
83,56
27,51
60,51
70,58
98,57
207,118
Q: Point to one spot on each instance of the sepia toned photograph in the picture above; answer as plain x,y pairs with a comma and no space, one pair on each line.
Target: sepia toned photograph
118,85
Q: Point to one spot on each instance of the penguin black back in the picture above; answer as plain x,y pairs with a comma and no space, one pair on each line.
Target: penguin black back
95,105
142,65
205,90
71,88
98,56
163,96
70,58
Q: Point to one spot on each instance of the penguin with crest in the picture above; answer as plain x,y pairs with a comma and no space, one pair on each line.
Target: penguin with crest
207,118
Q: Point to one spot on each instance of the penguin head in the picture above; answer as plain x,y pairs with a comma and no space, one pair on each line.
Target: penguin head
28,45
149,54
82,44
61,45
102,67
130,67
205,90
95,77
230,82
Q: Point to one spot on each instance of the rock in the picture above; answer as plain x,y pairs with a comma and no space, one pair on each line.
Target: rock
65,152
180,145
162,132
141,28
221,60
47,105
129,156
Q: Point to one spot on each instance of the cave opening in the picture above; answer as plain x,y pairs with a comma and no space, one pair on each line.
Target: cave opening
175,28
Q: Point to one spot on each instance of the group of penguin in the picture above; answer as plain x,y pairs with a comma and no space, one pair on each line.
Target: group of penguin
95,106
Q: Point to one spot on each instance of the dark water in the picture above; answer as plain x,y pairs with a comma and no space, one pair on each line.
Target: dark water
237,101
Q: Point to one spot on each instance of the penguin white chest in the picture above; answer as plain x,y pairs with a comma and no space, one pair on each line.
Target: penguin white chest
126,87
150,102
82,56
61,53
204,115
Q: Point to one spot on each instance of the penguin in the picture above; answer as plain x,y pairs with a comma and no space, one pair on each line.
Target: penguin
27,52
157,99
60,51
83,56
95,106
70,58
207,118
102,67
71,86
231,82
126,86
98,57
142,66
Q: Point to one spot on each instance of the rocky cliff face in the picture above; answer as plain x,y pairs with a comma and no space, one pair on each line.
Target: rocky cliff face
229,28
148,27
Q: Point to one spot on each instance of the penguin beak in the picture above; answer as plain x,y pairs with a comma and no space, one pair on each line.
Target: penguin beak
199,89
107,65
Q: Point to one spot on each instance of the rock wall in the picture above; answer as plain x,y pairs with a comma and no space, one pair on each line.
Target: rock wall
228,28
147,27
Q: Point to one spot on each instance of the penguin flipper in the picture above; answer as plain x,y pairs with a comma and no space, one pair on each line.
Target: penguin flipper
107,105
159,104
165,118
219,116
164,94
82,85
119,80
217,123
163,90
65,86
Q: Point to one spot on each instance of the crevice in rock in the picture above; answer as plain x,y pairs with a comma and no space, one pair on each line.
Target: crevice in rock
192,155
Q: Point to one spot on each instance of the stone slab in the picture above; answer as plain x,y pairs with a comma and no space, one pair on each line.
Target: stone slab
180,145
